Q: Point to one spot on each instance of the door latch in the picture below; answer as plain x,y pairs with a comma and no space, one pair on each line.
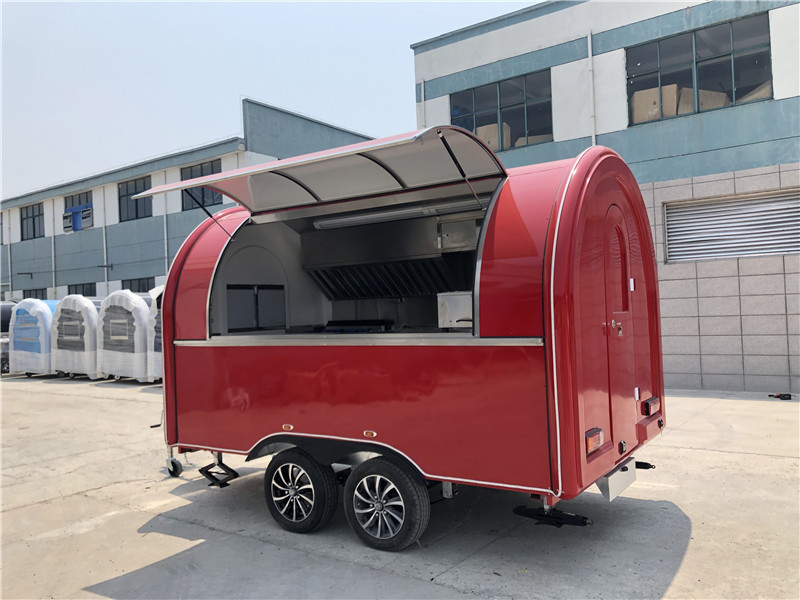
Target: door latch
617,325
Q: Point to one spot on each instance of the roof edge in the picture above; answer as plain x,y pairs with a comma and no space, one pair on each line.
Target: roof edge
304,117
525,14
223,146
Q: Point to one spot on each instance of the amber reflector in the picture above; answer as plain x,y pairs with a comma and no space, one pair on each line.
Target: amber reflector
651,407
594,439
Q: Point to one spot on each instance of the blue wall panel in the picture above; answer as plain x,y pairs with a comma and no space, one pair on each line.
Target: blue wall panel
32,256
136,248
694,17
275,132
730,139
4,278
78,255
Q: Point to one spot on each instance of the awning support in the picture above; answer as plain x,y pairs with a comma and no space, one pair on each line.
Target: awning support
205,210
458,166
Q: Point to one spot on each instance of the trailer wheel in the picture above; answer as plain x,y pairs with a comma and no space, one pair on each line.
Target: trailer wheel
175,467
300,493
387,506
4,366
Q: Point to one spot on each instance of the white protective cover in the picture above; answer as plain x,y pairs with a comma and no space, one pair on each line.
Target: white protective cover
155,364
114,362
22,358
76,360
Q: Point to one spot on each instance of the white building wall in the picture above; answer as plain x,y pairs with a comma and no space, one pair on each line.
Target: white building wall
159,201
543,32
99,207
173,199
784,24
58,211
571,104
610,92
47,206
110,196
15,228
435,112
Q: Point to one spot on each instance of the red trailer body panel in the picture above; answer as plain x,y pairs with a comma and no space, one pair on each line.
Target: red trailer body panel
232,402
565,341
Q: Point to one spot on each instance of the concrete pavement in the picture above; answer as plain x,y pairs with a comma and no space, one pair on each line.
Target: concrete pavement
88,510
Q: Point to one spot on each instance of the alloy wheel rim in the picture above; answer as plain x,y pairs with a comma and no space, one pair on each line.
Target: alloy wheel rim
379,507
292,492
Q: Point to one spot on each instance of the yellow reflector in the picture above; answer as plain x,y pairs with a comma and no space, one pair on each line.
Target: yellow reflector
594,439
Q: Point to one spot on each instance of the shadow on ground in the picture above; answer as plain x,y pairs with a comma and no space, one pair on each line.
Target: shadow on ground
474,545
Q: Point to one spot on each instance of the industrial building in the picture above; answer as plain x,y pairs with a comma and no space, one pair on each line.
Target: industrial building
90,237
702,100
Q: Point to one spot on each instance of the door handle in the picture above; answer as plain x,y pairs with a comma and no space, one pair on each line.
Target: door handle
617,325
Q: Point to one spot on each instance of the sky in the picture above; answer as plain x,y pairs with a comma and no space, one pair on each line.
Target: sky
88,87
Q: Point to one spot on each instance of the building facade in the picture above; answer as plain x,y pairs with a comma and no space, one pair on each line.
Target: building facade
702,99
91,237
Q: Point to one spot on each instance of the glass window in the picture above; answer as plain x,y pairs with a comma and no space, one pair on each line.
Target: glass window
193,197
84,289
702,70
509,114
752,32
39,293
139,286
32,221
461,103
130,209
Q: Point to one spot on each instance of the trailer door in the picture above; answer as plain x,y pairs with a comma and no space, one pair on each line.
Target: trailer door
619,331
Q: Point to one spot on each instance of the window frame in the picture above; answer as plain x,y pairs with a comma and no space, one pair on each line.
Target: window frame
142,207
204,195
499,108
82,288
128,284
38,293
732,54
32,218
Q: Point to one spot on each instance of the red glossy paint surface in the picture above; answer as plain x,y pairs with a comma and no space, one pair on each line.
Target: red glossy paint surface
501,415
183,305
473,413
603,241
512,264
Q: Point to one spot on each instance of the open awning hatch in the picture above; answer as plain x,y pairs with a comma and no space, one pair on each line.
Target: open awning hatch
423,165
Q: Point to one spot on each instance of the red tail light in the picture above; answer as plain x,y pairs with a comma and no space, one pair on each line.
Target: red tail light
651,407
594,439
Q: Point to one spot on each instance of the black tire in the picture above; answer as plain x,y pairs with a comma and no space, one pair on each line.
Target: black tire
4,366
175,467
387,505
301,494
28,375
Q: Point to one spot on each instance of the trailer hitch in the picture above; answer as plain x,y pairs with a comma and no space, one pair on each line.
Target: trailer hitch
553,517
640,464
222,475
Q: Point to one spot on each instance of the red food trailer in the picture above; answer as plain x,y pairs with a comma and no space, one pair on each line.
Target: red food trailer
404,315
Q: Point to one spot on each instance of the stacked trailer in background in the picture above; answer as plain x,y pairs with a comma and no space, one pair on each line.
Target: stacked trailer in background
122,335
73,337
29,336
155,368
